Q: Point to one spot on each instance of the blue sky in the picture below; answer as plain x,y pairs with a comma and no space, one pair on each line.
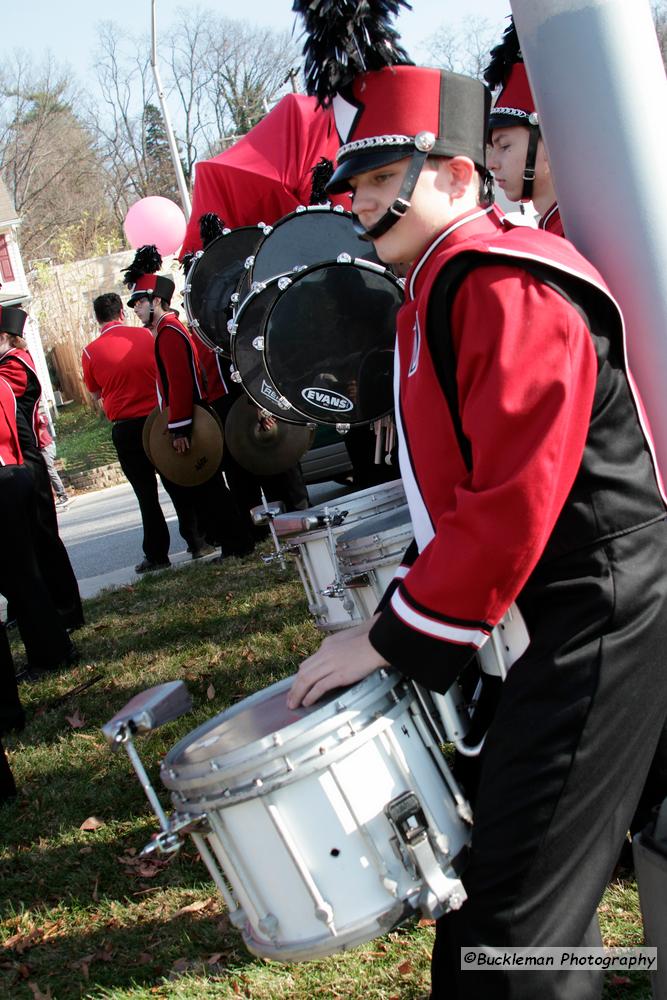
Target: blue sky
68,28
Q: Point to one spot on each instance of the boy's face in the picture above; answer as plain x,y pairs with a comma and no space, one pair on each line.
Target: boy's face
434,204
506,159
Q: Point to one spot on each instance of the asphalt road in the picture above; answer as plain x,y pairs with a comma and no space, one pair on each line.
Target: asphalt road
102,533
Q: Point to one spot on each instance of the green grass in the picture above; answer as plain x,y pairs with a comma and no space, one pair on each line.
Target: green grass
80,919
83,438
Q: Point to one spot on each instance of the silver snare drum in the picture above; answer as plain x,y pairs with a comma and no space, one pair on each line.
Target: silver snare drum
330,824
370,553
310,537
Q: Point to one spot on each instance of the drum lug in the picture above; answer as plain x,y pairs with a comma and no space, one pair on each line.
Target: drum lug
440,893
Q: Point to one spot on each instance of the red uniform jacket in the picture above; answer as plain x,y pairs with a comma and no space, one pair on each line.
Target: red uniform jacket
551,221
119,366
10,452
213,366
180,383
18,368
500,394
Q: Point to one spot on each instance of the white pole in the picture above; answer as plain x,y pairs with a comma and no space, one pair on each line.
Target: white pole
596,72
175,158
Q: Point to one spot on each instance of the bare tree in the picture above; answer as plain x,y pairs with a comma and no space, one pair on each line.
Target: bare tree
220,77
47,158
464,47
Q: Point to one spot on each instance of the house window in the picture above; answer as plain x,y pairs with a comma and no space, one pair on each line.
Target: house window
6,272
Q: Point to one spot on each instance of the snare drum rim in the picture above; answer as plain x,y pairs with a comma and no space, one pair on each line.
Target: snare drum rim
350,704
298,276
388,495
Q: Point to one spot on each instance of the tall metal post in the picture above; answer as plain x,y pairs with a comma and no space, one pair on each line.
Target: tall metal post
596,72
173,148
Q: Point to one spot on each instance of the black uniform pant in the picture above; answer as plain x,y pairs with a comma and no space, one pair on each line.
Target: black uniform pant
565,760
21,581
246,487
52,558
141,475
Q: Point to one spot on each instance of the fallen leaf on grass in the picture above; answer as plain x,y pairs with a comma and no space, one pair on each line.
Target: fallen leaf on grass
195,907
22,941
424,922
145,958
210,692
214,959
405,967
76,720
620,981
92,823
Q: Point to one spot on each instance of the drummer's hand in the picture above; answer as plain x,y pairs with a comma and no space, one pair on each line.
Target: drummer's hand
181,444
342,659
267,423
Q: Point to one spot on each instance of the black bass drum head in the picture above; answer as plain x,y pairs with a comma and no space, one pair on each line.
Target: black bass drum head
213,279
329,341
247,345
308,236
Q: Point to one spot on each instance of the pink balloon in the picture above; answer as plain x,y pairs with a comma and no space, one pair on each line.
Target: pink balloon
155,220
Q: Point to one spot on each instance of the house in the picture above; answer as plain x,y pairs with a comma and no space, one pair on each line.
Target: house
14,289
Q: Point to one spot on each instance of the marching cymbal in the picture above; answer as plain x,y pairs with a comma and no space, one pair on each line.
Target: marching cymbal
203,458
264,452
146,432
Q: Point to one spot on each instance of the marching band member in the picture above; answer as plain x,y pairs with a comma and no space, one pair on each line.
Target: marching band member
180,388
529,479
18,369
48,646
119,370
517,157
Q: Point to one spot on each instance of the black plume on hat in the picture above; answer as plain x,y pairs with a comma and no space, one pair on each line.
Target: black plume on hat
210,227
322,173
346,38
147,260
503,57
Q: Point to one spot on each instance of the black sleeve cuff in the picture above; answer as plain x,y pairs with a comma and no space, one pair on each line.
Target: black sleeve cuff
434,663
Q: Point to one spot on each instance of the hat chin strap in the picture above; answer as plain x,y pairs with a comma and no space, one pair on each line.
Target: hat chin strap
531,157
397,210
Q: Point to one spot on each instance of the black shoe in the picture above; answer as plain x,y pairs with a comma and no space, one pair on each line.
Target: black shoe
148,566
32,674
203,550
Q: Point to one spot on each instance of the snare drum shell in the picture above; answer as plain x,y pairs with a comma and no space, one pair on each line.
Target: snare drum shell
309,853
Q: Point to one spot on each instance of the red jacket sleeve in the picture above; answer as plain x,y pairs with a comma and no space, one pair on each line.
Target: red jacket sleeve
526,375
175,355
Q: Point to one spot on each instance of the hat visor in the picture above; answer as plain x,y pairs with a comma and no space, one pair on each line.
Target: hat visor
136,296
506,121
365,159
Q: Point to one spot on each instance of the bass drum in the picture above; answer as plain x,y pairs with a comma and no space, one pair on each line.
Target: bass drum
248,355
213,279
328,341
308,236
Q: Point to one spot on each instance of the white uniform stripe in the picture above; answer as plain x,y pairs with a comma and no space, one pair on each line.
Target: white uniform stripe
457,634
421,522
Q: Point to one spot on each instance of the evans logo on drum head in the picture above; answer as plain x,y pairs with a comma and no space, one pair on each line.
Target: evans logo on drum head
326,399
270,393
